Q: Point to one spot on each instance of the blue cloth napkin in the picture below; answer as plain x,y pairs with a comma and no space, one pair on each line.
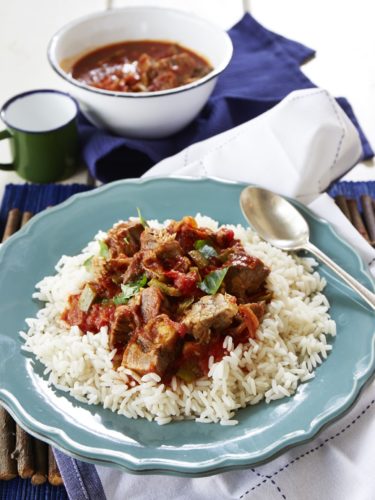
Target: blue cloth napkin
264,69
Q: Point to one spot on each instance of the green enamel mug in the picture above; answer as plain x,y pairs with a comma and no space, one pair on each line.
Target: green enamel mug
42,129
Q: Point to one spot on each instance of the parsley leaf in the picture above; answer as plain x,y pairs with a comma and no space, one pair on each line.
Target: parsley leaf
142,219
213,281
204,247
129,290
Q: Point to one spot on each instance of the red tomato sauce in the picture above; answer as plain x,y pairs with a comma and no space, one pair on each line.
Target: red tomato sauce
99,315
140,66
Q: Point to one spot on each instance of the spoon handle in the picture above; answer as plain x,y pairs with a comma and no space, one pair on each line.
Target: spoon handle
366,295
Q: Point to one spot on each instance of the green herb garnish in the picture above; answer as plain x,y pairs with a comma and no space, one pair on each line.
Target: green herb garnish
142,219
103,249
88,263
213,281
129,290
205,249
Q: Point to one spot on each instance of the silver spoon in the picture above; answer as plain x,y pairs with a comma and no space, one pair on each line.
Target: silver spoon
279,223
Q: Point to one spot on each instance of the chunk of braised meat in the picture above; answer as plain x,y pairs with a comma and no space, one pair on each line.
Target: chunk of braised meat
164,80
163,245
156,267
112,269
140,357
155,347
105,287
117,264
135,269
124,238
210,312
224,237
161,252
173,71
245,275
258,308
187,233
183,63
260,295
152,299
145,63
123,325
153,238
247,321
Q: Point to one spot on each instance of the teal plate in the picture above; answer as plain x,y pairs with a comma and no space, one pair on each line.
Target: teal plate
180,448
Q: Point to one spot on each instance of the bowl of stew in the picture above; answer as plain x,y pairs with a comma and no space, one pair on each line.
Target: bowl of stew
143,72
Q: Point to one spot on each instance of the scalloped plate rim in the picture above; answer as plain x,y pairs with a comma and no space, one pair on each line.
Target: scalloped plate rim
222,463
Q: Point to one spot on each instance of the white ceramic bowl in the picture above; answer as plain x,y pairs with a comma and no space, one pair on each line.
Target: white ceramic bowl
146,114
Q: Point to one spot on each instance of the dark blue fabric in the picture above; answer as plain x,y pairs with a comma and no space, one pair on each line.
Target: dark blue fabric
264,69
81,479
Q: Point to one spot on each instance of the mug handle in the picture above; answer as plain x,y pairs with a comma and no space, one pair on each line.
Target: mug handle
5,134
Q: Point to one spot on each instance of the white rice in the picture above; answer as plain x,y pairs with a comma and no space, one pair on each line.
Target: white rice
290,343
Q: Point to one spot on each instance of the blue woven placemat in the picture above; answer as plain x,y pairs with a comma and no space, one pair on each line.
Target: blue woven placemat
353,190
22,489
33,198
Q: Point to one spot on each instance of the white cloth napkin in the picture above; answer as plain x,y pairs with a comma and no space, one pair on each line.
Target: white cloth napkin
338,465
296,149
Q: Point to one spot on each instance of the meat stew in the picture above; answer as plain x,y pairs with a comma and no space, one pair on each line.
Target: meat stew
140,66
170,296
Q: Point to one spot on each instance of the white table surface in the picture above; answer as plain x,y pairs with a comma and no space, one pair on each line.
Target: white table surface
341,32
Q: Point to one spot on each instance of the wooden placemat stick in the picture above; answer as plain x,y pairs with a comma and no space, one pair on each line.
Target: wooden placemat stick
13,223
356,219
41,462
342,204
8,466
24,453
369,216
54,476
26,216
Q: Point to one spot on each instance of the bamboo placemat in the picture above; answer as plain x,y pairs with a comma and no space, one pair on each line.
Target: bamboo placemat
357,201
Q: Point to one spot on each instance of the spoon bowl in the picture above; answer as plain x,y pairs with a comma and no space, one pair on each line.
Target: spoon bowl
279,223
274,218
